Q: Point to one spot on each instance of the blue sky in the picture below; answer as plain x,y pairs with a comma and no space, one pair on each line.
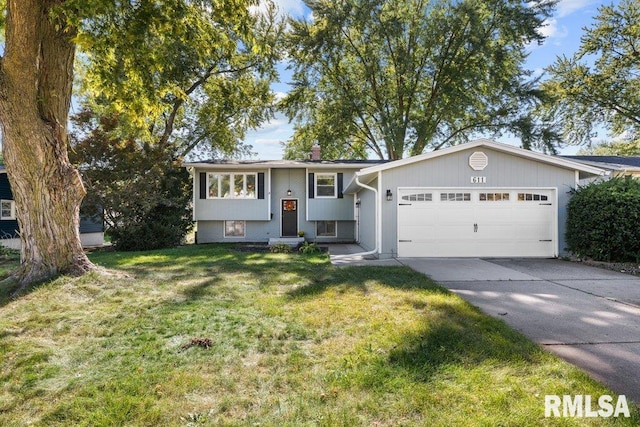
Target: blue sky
563,33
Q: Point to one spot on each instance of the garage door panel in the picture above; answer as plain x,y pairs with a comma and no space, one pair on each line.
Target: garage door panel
491,225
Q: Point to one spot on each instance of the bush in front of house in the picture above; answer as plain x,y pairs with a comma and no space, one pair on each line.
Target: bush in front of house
280,248
603,220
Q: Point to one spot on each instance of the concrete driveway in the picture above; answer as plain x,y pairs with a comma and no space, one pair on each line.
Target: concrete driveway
588,316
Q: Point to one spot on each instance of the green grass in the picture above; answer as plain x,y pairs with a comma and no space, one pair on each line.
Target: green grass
295,341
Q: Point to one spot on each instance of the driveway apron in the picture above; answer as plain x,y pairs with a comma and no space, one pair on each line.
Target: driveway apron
586,315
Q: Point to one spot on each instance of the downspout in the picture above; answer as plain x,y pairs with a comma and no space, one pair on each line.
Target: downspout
375,250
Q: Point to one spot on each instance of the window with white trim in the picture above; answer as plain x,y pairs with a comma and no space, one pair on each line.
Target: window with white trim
231,185
418,197
234,228
455,197
494,197
7,209
532,197
326,185
326,228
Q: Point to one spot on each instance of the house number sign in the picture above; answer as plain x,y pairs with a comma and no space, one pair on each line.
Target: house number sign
478,179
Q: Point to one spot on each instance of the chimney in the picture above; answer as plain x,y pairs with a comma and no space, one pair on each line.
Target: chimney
315,152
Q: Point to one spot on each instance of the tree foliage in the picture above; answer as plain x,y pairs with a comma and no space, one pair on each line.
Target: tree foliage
602,220
401,77
162,66
600,84
194,74
613,148
142,189
159,83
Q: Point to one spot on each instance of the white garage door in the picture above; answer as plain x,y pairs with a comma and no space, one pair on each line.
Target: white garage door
477,223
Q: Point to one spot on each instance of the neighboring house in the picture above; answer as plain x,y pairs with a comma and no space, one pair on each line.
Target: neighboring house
476,199
91,229
614,165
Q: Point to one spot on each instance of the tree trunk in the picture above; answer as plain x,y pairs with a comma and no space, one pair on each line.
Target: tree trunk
36,77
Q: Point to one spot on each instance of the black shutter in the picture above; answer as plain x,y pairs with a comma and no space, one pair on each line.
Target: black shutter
203,185
340,179
311,186
260,185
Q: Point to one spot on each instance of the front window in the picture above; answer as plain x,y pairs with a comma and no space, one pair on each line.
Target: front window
234,228
232,186
8,209
326,185
326,229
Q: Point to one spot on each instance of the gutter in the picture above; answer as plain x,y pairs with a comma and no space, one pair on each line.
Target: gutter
374,250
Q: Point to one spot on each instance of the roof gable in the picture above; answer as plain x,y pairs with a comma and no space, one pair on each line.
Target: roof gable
368,174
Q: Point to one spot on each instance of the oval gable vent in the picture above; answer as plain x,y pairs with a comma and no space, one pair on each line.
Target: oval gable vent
478,161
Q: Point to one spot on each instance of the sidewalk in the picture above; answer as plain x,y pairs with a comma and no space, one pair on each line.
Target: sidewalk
346,254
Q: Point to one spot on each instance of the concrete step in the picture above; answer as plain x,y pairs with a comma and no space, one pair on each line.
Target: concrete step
291,241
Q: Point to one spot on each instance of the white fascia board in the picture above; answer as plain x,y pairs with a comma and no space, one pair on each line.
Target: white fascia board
270,165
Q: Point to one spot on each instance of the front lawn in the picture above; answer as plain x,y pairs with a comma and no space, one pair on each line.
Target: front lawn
206,335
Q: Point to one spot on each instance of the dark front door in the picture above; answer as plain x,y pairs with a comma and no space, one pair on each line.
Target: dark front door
289,218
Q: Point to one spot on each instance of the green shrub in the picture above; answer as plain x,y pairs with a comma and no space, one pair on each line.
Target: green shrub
309,248
603,220
280,248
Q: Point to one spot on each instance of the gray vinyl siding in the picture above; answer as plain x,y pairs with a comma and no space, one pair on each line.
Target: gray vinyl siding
230,209
326,209
503,170
367,217
263,217
92,224
262,231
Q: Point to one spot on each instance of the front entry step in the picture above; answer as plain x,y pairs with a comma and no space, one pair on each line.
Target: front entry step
291,241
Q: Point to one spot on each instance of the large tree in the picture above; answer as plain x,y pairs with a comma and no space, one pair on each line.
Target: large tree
36,79
36,76
401,77
600,84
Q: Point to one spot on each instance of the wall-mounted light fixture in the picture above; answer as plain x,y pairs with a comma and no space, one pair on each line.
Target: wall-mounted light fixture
389,195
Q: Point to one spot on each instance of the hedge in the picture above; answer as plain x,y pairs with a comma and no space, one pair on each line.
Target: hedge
603,220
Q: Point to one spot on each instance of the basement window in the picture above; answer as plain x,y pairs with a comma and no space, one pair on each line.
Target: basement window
326,229
234,228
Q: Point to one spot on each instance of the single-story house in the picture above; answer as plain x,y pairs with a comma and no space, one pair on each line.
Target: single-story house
91,228
481,198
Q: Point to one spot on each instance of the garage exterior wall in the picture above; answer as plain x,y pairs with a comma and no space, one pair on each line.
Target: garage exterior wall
366,214
504,170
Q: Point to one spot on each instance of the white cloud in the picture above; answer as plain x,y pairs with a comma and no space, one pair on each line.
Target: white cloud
553,30
293,8
268,142
567,7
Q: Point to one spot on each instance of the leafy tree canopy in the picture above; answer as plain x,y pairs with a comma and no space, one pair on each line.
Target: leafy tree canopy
193,73
401,77
600,85
613,148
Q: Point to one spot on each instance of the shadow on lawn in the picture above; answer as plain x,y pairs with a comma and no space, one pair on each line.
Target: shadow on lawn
402,278
453,332
456,333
